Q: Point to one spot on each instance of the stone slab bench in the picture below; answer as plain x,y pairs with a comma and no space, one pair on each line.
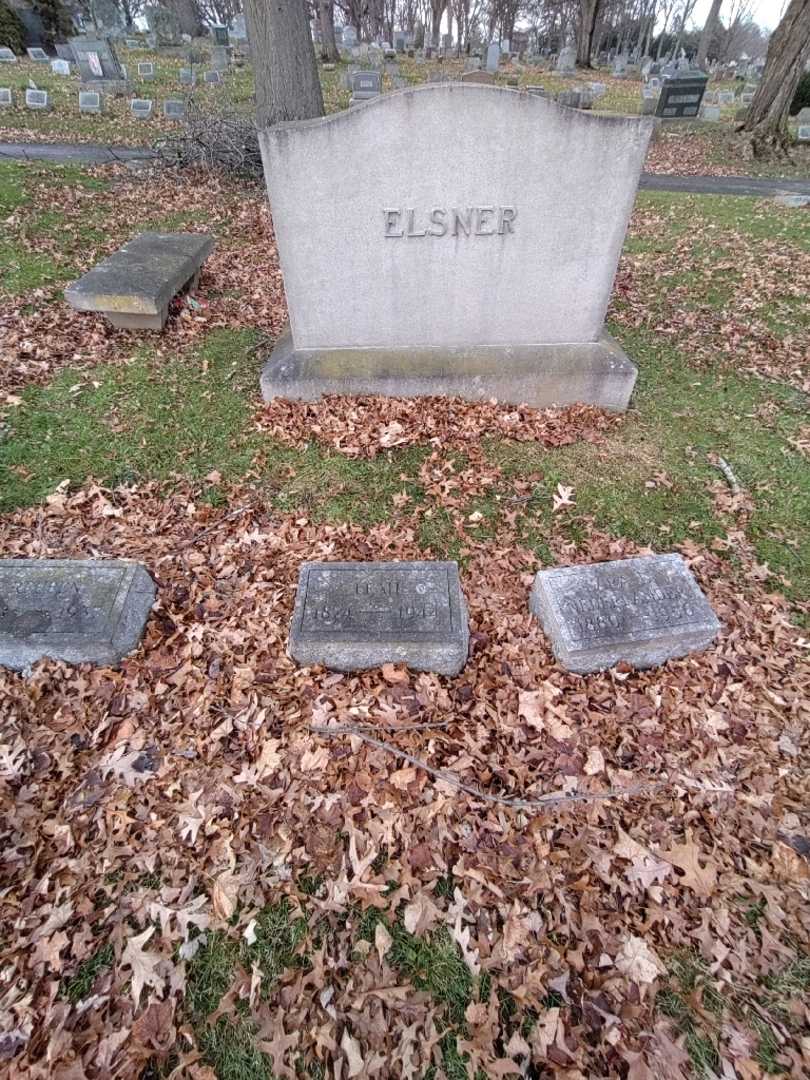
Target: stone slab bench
134,286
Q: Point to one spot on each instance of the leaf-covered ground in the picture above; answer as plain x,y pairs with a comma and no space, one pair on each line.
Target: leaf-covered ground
211,867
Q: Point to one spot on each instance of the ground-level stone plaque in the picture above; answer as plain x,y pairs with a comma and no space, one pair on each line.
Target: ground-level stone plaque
645,611
355,615
78,610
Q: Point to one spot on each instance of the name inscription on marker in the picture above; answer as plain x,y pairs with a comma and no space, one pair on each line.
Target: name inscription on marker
439,221
603,610
378,601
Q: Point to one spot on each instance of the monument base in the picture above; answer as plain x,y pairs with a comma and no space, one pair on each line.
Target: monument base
593,373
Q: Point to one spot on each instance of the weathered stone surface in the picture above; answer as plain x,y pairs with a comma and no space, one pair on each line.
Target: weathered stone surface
644,611
77,610
350,616
133,286
512,250
597,372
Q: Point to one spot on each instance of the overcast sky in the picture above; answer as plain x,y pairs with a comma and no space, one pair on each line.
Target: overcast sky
765,12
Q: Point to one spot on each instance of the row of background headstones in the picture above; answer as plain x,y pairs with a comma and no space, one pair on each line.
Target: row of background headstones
91,101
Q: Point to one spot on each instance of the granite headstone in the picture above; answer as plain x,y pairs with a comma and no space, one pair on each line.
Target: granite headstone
75,610
448,253
351,616
643,610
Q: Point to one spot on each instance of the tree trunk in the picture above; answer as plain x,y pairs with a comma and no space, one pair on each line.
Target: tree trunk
707,35
285,71
788,51
188,16
588,11
436,10
326,17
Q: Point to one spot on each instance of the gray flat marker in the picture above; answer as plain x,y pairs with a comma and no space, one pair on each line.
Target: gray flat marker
644,611
350,616
37,99
77,610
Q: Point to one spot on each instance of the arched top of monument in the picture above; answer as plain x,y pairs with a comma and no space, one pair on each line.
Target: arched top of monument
519,101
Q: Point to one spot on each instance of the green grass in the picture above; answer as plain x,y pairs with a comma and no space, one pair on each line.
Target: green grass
135,422
80,985
689,977
229,1045
21,185
434,963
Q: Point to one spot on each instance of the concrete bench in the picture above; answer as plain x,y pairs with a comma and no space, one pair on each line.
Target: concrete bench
133,287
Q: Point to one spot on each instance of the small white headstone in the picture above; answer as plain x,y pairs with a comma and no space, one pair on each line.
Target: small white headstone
90,101
141,108
493,56
37,99
711,113
60,67
804,133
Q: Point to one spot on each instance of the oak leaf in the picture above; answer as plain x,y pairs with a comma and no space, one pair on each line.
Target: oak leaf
143,964
638,962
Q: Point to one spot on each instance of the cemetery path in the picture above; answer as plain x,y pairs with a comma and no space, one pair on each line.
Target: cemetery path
88,153
99,154
761,187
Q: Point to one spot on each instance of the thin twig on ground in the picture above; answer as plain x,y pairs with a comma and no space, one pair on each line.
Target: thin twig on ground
728,472
543,803
212,528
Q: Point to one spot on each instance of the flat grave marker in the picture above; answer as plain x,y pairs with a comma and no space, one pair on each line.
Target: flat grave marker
90,101
76,610
803,134
174,109
141,108
146,70
711,113
644,610
7,56
60,67
350,616
186,77
39,56
37,99
6,97
214,77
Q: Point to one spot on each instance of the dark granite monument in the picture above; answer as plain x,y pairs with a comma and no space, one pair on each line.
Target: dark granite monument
645,611
76,610
681,95
355,615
